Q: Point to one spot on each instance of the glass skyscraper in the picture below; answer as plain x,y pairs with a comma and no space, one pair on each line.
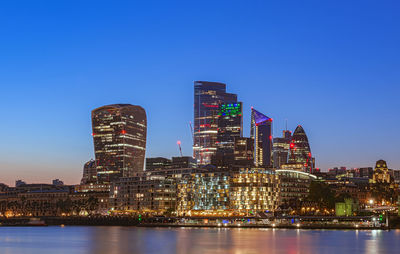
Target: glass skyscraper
119,136
261,132
300,152
207,98
230,128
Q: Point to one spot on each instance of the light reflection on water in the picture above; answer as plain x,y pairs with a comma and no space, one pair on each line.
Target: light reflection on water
113,240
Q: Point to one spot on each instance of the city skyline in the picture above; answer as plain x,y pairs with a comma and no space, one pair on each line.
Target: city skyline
343,93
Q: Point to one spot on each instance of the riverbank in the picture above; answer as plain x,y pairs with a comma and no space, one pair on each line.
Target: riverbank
173,222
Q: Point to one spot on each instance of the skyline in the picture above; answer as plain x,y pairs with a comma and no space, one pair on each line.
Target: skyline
335,84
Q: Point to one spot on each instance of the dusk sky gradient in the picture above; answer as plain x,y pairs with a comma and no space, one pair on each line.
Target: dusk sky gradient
331,66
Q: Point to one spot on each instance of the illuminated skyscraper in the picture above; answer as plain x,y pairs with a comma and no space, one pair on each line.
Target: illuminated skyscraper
207,98
119,136
261,132
300,152
280,149
230,127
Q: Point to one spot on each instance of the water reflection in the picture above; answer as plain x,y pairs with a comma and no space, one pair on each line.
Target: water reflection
113,240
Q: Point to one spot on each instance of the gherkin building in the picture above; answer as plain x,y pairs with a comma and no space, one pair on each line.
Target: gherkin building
300,152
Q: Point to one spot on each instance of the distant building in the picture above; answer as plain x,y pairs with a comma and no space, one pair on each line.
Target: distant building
207,98
261,132
280,149
157,163
19,183
58,182
381,173
183,162
300,152
230,127
89,172
244,152
119,136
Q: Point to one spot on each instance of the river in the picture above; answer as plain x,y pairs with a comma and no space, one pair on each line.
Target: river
113,240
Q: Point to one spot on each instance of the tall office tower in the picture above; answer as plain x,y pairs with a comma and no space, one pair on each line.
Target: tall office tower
261,132
280,149
230,127
207,98
300,152
244,152
119,136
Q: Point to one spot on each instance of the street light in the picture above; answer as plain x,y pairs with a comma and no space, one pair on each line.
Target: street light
371,201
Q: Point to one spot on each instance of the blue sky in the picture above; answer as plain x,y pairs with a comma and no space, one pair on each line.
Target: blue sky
331,66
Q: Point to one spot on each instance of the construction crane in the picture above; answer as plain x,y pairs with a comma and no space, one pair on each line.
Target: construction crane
191,130
180,148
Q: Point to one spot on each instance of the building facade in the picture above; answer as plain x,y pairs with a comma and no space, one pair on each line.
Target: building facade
230,128
119,136
207,98
280,149
300,152
261,132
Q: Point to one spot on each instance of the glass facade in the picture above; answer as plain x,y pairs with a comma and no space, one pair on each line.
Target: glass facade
243,190
119,136
255,189
207,98
295,185
244,151
300,152
261,132
230,128
280,149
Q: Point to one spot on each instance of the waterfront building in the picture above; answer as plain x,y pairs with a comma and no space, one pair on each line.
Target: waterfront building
119,136
294,185
157,163
280,149
207,98
381,173
261,132
203,192
49,200
143,194
254,190
300,152
244,152
89,172
346,208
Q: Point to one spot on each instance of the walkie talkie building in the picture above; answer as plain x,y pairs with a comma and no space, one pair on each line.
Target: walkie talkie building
119,136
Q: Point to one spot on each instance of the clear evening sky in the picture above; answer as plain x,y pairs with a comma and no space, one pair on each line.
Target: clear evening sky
331,66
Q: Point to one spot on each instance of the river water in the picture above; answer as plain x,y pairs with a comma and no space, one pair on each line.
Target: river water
112,240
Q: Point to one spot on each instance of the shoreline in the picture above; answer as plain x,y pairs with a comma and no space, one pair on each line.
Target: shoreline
128,221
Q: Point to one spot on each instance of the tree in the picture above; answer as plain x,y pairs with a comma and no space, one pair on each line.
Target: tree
322,194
